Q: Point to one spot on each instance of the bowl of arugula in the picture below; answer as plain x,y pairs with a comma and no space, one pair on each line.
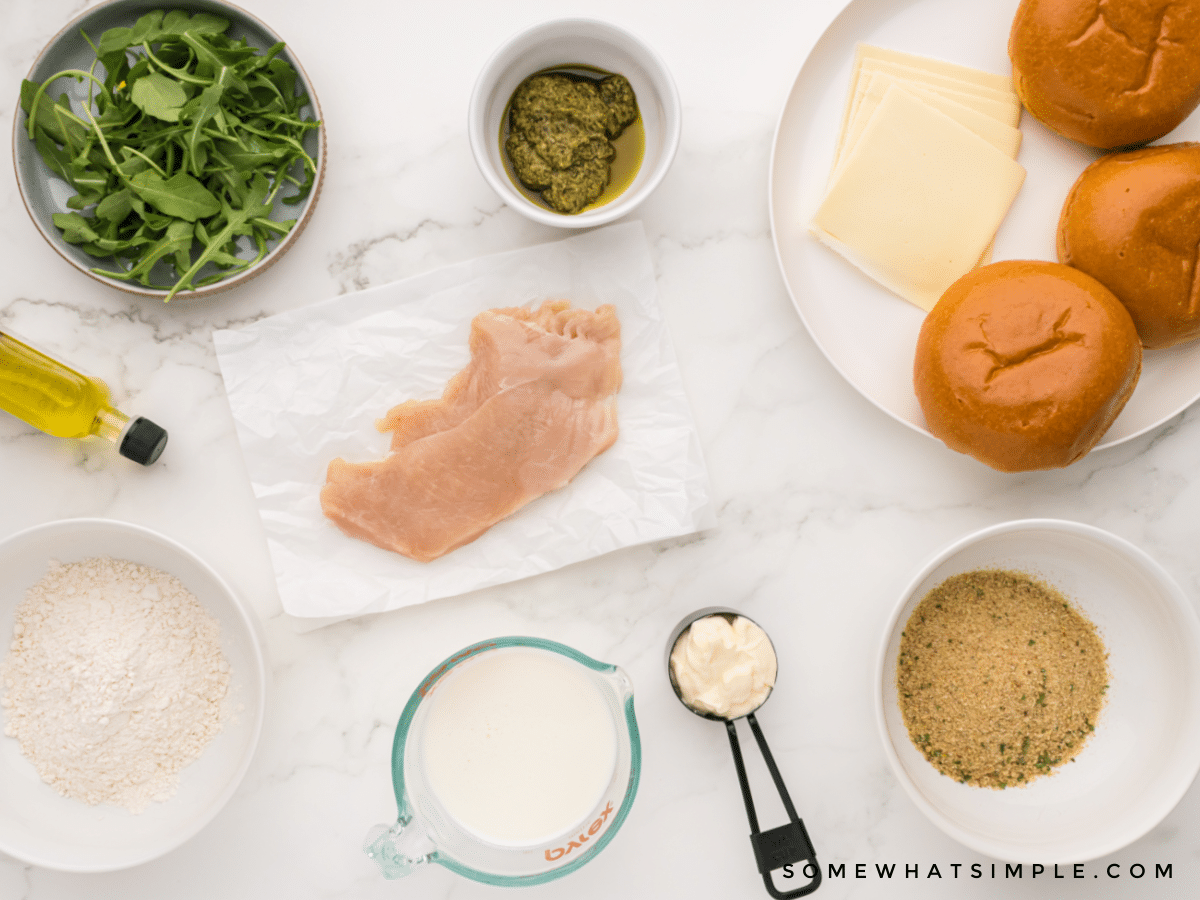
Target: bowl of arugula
168,148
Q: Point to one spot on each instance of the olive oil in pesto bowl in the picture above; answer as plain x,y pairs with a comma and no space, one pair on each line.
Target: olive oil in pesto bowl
619,101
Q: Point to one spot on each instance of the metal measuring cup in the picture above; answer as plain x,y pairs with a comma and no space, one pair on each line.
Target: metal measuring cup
788,844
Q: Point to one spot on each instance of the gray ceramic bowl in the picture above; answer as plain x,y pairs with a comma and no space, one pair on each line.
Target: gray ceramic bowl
45,194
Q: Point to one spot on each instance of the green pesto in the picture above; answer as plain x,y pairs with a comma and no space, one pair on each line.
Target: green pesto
561,129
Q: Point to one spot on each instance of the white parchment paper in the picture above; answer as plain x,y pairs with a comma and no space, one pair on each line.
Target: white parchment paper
307,386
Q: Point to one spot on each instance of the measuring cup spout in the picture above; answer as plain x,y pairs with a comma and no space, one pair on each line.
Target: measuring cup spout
399,849
620,682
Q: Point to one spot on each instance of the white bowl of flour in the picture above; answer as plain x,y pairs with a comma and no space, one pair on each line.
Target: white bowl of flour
132,685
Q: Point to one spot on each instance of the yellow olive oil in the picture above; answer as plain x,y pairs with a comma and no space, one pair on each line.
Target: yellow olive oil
630,147
56,399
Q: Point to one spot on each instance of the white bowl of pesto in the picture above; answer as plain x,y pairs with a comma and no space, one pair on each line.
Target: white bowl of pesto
1144,752
585,50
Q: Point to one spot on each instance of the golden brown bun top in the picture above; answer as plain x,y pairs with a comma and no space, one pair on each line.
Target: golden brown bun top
1025,364
1132,222
1107,73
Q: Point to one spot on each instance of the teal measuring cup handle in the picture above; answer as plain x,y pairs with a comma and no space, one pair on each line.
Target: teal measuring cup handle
399,849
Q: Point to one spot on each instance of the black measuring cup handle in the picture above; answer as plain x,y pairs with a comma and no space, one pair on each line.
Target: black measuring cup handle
786,845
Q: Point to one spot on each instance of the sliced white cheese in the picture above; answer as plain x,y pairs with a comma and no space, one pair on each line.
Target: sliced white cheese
1000,101
871,80
1003,137
1006,104
936,66
918,200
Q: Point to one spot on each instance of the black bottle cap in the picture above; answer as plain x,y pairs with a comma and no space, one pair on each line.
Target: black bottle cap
143,441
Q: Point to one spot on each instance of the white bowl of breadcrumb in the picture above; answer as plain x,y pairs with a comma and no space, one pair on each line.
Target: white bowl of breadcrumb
132,686
1038,692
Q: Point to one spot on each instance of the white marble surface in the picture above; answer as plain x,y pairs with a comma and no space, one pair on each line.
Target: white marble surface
826,507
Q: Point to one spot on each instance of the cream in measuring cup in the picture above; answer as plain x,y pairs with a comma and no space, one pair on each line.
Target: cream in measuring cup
723,665
519,745
514,762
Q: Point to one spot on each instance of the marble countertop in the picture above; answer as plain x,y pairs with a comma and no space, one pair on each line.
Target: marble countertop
825,507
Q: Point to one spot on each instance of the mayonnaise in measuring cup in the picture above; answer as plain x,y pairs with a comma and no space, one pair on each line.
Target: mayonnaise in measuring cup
723,668
519,745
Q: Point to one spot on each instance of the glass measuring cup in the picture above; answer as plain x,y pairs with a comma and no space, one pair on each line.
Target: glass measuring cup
427,832
777,847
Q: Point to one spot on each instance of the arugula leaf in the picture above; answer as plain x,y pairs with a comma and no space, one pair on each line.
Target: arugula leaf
177,237
177,22
55,157
131,164
54,118
120,38
181,195
157,26
256,205
75,228
157,95
174,22
78,230
216,52
115,207
200,112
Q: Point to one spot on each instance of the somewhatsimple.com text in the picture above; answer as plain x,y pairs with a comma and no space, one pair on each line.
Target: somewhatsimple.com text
982,870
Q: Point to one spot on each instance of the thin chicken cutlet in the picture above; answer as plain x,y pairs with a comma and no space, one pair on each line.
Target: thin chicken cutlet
536,403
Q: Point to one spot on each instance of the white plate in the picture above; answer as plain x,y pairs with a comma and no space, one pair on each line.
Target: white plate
41,827
1145,751
865,331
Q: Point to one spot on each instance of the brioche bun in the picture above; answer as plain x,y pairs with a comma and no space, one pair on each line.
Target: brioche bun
1132,222
1024,365
1107,73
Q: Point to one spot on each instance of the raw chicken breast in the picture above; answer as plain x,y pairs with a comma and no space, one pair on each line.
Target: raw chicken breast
534,405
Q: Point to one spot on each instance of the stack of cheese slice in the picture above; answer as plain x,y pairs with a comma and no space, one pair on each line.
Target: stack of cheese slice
925,171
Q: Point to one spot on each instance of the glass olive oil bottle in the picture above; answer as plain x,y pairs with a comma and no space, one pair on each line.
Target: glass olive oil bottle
61,401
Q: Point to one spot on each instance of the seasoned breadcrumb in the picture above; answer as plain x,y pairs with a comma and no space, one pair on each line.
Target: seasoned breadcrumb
1000,679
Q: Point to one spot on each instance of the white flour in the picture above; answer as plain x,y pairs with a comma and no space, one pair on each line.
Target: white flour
114,681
